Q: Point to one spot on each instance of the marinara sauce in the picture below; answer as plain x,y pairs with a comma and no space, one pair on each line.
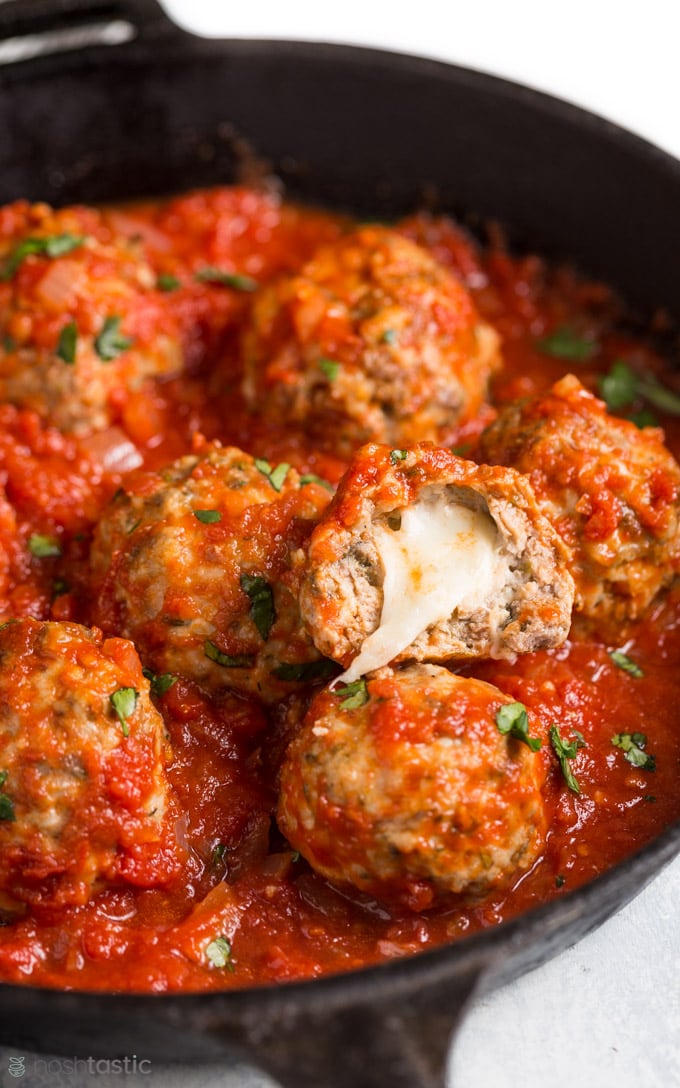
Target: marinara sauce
243,893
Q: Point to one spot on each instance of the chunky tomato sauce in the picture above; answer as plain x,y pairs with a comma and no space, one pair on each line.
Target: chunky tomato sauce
240,879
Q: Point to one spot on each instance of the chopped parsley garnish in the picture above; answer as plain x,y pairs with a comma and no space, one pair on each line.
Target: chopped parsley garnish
295,856
622,386
626,664
59,587
124,701
217,855
566,750
44,547
560,881
67,343
512,720
305,670
389,336
276,476
6,806
310,478
208,517
353,695
226,279
262,611
237,661
564,343
9,343
166,282
218,953
330,367
56,245
159,684
633,745
110,342
644,418
398,455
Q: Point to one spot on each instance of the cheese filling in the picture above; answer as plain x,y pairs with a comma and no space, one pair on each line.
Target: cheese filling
442,557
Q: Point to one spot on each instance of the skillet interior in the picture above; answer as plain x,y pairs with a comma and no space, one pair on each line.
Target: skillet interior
371,131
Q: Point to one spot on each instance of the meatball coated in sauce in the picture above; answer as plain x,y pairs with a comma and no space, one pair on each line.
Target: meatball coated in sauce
415,794
610,490
373,340
85,802
423,555
199,565
80,322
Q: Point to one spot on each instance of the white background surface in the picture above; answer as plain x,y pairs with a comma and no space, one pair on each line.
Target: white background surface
606,1013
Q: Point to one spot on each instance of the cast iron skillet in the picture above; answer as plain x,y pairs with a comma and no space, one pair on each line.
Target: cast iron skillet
158,110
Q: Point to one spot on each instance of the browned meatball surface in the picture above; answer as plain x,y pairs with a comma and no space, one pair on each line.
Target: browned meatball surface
611,491
373,340
424,555
81,325
406,789
200,564
84,800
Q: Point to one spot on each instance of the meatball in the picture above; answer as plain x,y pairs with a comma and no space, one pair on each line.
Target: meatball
423,555
407,790
200,565
373,340
84,801
610,490
80,323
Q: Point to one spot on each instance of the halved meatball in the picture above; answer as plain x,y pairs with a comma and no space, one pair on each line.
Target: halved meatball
611,491
199,565
373,340
407,790
426,556
84,799
80,322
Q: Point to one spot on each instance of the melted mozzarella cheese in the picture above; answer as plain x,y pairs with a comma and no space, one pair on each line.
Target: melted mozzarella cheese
443,557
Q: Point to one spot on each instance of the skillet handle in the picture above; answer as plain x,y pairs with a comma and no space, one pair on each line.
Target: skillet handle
144,19
400,1041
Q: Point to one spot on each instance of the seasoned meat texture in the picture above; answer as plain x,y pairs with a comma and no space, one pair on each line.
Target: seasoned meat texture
81,324
373,340
610,490
84,801
426,556
408,791
200,564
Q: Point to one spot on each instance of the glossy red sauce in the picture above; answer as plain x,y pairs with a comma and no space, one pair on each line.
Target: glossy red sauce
241,880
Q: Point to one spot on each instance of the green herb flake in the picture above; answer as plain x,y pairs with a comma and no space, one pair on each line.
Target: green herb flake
165,282
56,245
218,953
262,611
124,701
310,478
398,455
512,720
68,343
566,750
633,745
560,881
306,670
618,388
649,798
330,367
626,664
353,695
295,856
110,342
644,418
9,343
226,279
59,587
237,661
6,807
217,855
566,344
208,517
390,336
159,684
276,476
44,547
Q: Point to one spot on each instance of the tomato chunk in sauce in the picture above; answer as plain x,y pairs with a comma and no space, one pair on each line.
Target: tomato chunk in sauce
228,279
